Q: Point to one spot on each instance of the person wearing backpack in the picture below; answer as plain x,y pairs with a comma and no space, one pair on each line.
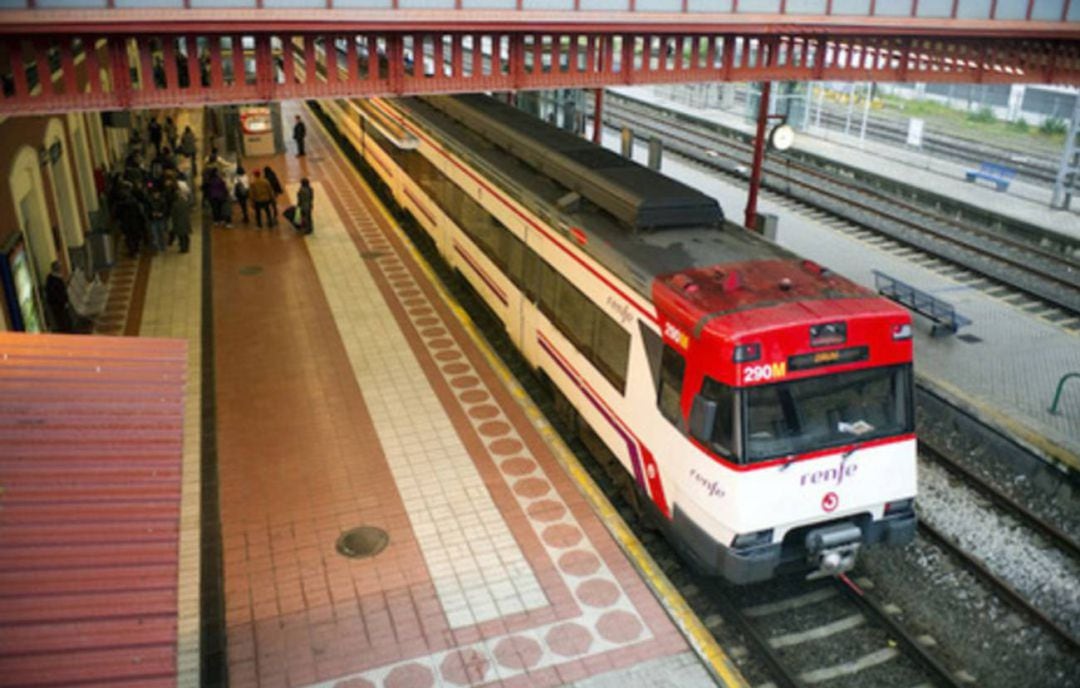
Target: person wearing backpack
240,192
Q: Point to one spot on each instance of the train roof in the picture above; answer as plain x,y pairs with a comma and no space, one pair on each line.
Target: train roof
642,258
635,195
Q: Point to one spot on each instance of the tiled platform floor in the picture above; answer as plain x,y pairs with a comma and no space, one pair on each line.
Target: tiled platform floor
348,394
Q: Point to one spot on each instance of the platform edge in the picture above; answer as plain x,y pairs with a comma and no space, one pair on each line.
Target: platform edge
716,661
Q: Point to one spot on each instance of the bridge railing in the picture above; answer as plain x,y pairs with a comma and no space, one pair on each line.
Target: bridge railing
1001,10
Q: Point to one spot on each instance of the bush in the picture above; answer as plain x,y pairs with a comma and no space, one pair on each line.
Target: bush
983,114
1052,126
1020,126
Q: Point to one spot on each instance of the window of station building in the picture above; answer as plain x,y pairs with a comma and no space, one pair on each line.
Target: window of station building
669,396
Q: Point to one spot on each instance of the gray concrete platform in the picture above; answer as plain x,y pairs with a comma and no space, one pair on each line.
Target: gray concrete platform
1023,201
1006,373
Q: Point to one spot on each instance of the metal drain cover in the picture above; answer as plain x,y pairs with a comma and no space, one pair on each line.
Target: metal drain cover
362,542
251,270
372,255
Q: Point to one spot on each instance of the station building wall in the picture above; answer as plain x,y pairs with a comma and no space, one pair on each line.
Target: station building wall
49,172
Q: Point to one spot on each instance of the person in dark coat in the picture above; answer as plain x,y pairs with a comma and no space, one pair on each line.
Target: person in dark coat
217,193
155,134
275,184
158,209
132,221
305,203
187,147
56,297
299,131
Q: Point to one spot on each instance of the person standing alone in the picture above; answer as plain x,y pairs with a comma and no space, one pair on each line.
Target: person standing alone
299,131
305,201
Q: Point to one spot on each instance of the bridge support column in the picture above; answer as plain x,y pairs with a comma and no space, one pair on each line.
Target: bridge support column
598,116
1066,181
759,157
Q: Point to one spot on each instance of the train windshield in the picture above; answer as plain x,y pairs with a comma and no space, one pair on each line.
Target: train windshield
820,412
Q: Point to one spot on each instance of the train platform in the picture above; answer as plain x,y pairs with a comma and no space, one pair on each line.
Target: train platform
393,512
1023,201
1004,367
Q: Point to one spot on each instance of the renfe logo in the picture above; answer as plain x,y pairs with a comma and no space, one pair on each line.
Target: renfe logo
828,475
830,501
712,486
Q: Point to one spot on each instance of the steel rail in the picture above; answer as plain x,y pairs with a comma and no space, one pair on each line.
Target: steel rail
870,607
1048,530
999,586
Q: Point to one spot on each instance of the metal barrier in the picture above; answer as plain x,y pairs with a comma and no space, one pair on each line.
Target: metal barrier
945,317
1057,394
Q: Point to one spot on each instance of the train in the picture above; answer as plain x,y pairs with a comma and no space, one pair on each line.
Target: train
755,406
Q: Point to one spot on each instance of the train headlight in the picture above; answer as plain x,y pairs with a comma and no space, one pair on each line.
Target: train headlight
899,506
744,353
748,540
900,332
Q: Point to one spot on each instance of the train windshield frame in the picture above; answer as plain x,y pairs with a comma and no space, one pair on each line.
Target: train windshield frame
809,414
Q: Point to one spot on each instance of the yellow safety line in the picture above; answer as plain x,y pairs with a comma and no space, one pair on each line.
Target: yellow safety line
684,618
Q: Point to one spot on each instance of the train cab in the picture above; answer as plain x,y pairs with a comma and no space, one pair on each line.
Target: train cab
796,385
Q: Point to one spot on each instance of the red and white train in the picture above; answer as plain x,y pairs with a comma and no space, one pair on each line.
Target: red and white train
761,405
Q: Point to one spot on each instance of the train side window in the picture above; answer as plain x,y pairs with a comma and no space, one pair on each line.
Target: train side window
515,259
576,316
531,274
549,285
723,433
611,350
669,396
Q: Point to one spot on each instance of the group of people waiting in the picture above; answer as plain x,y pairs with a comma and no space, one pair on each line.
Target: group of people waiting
224,184
151,204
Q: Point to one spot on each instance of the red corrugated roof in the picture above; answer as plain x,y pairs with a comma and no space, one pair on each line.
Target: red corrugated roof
90,456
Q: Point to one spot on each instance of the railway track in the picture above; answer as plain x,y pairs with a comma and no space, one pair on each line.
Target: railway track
1048,282
830,630
1034,559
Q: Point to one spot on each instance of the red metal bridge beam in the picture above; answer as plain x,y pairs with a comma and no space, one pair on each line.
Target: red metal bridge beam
292,69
